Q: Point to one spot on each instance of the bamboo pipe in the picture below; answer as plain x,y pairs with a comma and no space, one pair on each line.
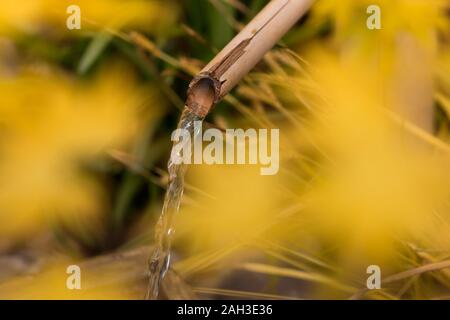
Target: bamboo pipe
243,53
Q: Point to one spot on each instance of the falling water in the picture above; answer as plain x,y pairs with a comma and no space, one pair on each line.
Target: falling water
160,260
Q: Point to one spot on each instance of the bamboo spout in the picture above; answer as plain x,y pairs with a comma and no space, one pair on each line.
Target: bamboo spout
243,53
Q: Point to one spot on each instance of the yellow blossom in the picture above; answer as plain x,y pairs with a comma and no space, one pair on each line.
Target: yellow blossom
50,124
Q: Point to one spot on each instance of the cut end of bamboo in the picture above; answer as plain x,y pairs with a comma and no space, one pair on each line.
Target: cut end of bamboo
203,94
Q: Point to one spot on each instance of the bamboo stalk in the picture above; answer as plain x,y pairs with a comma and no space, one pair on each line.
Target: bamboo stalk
223,72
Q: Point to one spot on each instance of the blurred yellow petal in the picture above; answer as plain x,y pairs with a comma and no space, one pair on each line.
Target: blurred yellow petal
51,284
238,206
34,15
377,183
49,126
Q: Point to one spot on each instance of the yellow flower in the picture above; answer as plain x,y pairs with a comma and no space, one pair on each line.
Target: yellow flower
34,15
56,283
377,183
418,16
49,125
236,205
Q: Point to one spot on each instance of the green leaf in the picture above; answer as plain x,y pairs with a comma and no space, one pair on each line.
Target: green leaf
93,52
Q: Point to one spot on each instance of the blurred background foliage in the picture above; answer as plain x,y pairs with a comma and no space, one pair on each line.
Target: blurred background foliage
85,123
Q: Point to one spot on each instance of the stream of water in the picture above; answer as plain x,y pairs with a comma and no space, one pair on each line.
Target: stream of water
160,260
